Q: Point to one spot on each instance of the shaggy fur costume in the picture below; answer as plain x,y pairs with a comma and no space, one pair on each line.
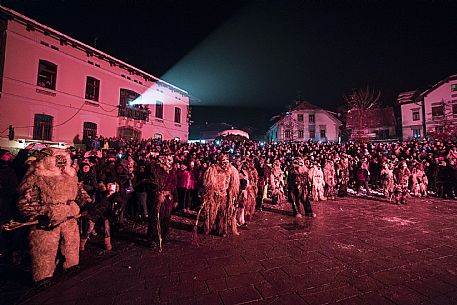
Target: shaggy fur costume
251,191
221,189
317,179
51,188
330,179
387,178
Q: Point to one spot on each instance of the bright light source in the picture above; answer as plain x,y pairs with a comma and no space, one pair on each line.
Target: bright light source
218,142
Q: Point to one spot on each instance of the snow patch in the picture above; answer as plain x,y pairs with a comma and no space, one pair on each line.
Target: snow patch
398,220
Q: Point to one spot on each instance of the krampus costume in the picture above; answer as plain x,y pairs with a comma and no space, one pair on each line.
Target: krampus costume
342,174
387,179
330,179
162,194
253,178
277,182
298,188
419,181
401,178
317,179
221,186
50,193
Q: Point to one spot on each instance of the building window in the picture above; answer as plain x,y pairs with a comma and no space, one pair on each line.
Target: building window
323,135
301,134
127,108
287,133
158,136
127,97
312,132
89,130
439,129
453,87
177,115
42,127
416,132
437,111
92,88
454,109
300,117
312,118
47,73
416,116
159,110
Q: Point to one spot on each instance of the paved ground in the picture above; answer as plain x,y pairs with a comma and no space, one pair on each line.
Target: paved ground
357,251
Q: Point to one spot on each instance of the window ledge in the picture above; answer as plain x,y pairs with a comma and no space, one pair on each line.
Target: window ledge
159,120
45,92
177,125
92,103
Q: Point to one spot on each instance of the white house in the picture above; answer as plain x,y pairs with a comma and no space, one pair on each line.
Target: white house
429,111
56,88
304,122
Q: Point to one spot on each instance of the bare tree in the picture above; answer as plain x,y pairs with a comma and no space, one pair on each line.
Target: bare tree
363,99
359,102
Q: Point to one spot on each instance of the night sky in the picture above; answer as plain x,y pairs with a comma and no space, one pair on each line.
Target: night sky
247,60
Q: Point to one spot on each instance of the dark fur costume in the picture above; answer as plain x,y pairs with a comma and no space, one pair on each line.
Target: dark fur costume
54,192
161,189
221,190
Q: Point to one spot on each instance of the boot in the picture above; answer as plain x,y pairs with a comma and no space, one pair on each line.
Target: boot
108,243
82,245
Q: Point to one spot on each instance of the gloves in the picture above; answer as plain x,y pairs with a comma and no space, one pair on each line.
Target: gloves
44,222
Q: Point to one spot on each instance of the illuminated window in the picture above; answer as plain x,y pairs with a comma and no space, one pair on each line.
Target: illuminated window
158,136
437,111
47,73
416,116
300,117
416,132
301,134
92,88
453,87
126,97
42,127
312,118
177,115
89,130
159,110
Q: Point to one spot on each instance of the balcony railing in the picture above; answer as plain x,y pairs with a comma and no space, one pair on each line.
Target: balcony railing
134,113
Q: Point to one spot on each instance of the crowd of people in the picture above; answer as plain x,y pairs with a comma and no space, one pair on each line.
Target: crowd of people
227,181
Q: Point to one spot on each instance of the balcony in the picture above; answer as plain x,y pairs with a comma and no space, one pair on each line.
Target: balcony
141,114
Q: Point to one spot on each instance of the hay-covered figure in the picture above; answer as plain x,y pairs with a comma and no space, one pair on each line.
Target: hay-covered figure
401,178
50,193
221,186
298,189
387,178
162,195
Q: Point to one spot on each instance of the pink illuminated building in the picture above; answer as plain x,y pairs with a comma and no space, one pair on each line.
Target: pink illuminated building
430,112
56,88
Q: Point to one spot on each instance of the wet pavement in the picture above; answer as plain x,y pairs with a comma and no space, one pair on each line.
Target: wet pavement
356,251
